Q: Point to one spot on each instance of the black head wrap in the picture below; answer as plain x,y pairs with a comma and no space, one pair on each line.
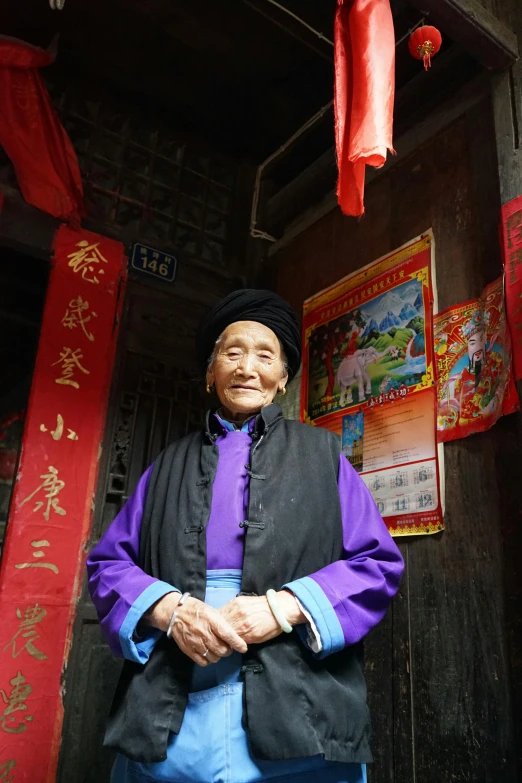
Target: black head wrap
250,304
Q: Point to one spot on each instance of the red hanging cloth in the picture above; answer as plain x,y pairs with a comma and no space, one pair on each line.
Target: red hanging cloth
364,94
32,135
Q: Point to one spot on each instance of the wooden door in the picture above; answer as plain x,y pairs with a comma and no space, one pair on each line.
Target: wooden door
157,396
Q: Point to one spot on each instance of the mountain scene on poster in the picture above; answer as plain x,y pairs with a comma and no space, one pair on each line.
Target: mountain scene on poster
368,351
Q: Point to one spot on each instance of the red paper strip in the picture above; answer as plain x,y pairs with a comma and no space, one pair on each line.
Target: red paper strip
364,93
32,135
51,508
473,356
511,215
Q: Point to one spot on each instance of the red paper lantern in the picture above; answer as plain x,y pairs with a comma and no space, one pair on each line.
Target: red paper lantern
424,43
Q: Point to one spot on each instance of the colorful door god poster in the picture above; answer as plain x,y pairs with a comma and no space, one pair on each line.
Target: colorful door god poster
512,241
368,375
473,355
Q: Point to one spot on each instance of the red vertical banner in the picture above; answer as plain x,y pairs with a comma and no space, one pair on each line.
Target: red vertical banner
52,503
512,247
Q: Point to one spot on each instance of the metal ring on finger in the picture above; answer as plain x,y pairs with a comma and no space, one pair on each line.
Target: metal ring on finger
205,653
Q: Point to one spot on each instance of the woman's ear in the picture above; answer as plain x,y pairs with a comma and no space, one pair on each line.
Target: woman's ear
282,384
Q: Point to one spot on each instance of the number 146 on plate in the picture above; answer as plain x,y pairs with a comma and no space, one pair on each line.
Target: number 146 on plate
153,262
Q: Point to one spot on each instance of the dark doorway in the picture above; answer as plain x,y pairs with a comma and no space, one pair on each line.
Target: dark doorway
23,284
158,395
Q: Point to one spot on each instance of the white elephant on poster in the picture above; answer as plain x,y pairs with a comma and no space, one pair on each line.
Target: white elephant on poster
353,370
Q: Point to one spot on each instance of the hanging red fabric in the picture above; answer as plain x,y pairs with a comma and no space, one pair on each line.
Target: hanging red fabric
364,94
32,135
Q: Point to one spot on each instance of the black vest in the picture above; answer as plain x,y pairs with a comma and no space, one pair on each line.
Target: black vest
295,705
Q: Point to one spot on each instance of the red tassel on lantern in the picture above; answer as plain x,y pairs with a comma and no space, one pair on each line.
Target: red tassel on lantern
424,43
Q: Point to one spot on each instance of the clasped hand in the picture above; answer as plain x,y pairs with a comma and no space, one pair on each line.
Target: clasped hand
206,634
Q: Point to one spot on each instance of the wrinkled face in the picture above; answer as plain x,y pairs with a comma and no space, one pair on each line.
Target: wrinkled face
248,368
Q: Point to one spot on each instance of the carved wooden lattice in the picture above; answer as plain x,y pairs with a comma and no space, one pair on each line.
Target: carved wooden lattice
158,403
144,182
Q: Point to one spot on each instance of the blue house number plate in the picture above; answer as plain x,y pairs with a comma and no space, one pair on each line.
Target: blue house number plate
153,262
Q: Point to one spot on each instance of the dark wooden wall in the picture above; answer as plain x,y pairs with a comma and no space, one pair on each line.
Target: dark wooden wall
146,181
439,667
143,182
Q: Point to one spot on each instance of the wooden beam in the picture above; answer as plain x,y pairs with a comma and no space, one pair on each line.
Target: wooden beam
415,99
292,199
507,110
432,124
474,27
508,126
268,13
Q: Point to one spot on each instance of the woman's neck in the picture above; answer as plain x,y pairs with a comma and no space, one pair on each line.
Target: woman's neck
235,418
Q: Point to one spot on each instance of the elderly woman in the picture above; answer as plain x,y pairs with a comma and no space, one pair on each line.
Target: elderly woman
239,580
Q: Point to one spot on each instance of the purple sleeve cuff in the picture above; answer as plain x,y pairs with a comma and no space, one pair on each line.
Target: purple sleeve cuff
139,650
116,581
311,596
359,587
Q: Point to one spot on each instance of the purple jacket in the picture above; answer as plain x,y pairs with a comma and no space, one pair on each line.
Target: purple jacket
342,602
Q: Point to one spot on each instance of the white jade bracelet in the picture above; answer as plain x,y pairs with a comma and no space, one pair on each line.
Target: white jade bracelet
273,603
173,618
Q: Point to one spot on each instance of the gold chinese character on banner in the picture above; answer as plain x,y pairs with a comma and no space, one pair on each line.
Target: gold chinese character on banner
26,635
38,554
86,260
57,433
70,361
515,259
514,229
443,368
52,486
6,767
76,315
518,323
15,702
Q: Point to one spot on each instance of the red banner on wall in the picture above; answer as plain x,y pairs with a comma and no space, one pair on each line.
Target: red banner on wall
512,246
52,503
